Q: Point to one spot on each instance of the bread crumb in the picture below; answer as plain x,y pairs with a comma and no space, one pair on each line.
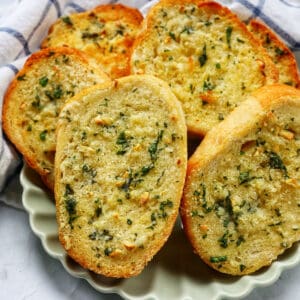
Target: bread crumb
286,134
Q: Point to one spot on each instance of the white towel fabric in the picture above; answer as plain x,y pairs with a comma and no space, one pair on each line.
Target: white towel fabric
24,24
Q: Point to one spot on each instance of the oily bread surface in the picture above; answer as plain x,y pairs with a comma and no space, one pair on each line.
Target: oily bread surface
34,99
281,55
203,51
106,33
120,168
240,206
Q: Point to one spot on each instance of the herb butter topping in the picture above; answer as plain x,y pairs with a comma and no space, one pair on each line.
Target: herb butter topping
121,168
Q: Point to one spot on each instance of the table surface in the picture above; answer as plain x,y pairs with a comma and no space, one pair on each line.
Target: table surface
27,272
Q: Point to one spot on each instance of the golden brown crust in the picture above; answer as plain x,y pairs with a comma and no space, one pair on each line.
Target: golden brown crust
216,147
180,81
20,98
281,55
111,52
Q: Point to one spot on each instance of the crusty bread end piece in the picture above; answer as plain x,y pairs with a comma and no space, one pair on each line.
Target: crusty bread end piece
206,55
106,33
241,203
34,99
281,55
120,170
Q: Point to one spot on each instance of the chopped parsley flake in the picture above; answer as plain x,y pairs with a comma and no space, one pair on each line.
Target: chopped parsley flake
43,81
153,148
242,267
123,142
58,92
228,35
43,135
69,190
67,20
146,169
70,204
108,251
21,77
279,51
240,240
217,259
89,35
203,57
187,30
276,162
223,241
172,35
244,177
208,86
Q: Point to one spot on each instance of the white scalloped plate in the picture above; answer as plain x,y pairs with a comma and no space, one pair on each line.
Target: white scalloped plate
174,273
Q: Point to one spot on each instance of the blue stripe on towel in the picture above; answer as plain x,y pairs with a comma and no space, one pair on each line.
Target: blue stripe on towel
256,11
293,43
19,36
42,17
56,5
75,6
12,67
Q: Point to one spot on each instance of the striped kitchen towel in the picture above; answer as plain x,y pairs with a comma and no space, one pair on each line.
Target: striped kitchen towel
25,23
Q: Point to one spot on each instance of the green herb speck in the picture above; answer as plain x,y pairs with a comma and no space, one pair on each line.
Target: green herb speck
146,169
217,259
68,190
228,35
21,77
276,162
279,51
58,92
43,135
172,35
123,142
203,57
43,81
242,267
154,146
240,240
244,177
67,20
108,251
223,241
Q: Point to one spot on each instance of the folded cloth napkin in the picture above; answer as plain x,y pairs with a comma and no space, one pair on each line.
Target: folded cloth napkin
25,23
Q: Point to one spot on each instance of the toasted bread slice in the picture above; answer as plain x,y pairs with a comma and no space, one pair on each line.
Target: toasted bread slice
106,33
120,169
207,56
34,99
241,204
281,55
